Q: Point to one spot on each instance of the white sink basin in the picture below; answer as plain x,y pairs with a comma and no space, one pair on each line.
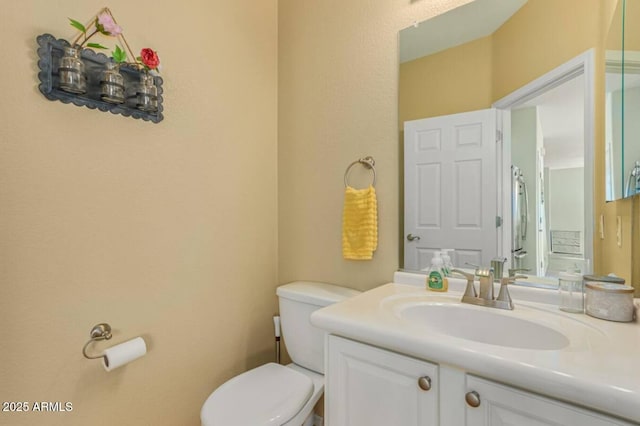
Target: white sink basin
528,326
484,325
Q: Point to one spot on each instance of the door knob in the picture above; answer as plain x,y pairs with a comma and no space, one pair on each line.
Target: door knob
424,383
412,237
473,399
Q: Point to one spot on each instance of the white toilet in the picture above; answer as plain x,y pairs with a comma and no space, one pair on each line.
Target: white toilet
273,394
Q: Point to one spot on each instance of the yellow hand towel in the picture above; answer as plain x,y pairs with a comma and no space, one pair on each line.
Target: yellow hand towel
359,223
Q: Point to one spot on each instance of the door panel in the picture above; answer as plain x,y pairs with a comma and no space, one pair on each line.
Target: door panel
428,186
501,405
368,386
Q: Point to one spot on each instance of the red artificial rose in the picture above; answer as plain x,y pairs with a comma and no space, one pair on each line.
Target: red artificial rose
149,58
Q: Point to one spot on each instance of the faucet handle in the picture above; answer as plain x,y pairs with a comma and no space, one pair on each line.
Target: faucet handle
514,271
470,291
504,298
467,275
512,279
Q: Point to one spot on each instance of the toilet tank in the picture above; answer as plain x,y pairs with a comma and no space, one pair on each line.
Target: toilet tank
298,300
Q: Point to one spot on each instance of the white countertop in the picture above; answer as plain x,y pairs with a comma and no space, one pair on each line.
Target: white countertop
602,374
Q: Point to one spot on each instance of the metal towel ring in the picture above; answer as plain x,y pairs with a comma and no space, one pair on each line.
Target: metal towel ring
368,162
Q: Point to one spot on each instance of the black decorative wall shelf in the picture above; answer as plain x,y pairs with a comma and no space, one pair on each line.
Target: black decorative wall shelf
50,50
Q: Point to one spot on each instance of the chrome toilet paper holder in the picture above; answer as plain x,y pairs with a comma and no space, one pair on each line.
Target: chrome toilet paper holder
99,332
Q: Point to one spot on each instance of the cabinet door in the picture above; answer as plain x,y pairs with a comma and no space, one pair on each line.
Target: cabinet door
505,406
368,386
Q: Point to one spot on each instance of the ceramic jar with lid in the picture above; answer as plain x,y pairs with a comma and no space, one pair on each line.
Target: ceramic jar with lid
609,301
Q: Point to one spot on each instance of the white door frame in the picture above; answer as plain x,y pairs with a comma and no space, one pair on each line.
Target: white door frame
583,64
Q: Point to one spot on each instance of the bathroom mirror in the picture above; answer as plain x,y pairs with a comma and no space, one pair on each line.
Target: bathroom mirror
622,88
480,49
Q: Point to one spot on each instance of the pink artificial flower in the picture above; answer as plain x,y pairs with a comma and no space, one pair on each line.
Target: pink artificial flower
107,26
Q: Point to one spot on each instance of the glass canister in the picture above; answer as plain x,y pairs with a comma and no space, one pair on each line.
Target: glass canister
112,84
71,72
146,96
571,289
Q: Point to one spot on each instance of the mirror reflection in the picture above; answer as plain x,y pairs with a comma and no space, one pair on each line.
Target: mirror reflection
514,181
622,157
547,182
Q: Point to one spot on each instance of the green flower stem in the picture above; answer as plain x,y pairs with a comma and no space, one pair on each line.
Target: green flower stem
124,40
86,39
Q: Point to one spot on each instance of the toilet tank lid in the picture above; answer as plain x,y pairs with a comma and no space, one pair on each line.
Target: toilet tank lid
315,293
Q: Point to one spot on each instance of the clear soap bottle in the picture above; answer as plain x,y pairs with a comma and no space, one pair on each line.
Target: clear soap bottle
446,261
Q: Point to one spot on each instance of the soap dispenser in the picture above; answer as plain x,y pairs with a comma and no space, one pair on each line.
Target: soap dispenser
437,280
446,262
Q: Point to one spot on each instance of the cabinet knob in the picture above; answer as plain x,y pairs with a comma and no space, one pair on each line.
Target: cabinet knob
473,399
424,383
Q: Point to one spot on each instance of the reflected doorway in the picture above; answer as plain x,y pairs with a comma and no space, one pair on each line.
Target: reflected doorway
548,169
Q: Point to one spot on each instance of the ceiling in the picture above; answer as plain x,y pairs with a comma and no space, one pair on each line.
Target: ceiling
476,19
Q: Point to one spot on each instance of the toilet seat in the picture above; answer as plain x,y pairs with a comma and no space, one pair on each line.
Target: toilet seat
268,395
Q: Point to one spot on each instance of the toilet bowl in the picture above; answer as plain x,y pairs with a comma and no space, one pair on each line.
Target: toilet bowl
273,394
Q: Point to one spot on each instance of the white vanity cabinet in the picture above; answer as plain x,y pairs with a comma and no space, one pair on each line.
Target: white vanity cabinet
504,405
369,386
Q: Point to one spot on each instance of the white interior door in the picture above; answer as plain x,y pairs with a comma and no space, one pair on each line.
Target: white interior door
450,172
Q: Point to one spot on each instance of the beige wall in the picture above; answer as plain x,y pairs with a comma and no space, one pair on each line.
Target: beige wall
542,35
337,96
454,80
168,231
180,231
631,29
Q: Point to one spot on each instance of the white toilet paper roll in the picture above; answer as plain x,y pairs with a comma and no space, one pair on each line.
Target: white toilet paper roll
123,353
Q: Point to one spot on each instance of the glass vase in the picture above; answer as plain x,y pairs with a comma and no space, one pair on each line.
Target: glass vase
71,72
146,95
112,84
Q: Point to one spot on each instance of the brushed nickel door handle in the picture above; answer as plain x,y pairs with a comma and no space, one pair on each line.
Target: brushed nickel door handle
412,237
